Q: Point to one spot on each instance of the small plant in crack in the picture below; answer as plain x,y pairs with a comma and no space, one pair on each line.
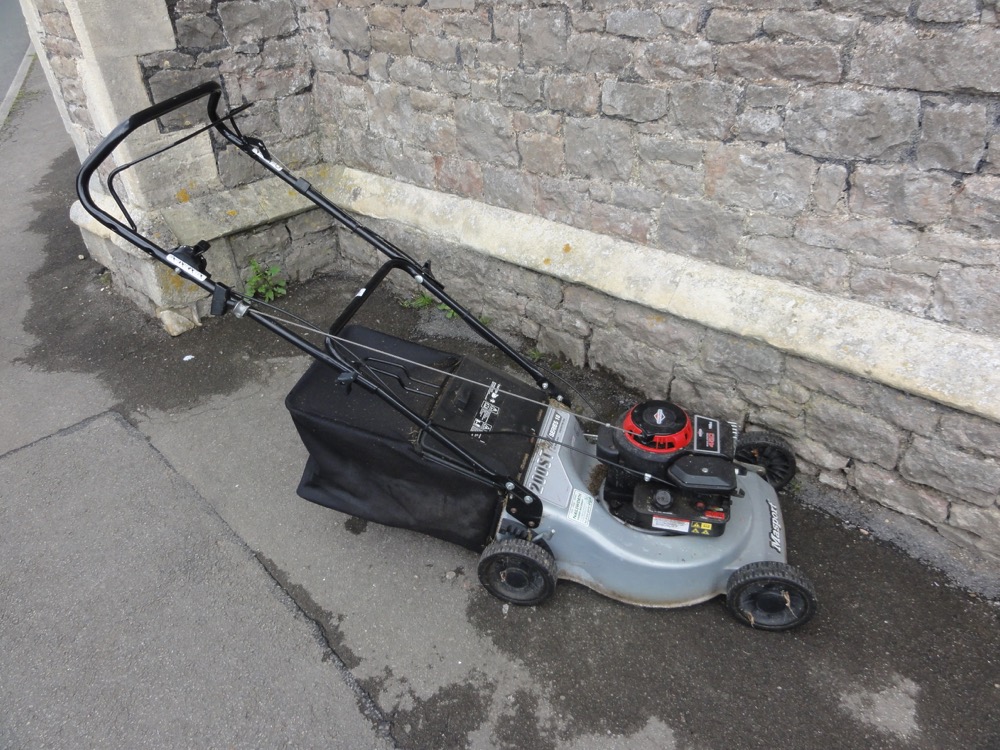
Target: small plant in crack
264,283
449,313
424,300
420,302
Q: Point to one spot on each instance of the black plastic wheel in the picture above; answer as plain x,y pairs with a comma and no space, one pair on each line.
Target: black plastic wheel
770,452
770,596
518,571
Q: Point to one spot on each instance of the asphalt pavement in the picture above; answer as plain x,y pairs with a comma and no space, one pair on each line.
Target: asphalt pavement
14,48
14,41
161,584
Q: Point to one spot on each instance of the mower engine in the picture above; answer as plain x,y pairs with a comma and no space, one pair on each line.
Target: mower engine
668,473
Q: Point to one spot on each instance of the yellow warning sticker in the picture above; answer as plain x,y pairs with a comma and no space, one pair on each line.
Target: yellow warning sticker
669,523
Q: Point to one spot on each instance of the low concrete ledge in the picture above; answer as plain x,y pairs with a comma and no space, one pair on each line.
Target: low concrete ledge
241,209
948,365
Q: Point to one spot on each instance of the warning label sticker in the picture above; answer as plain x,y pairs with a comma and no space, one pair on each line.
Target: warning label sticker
671,524
581,505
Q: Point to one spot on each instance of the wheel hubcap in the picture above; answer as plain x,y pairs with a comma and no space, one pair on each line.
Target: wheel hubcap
515,577
772,604
772,601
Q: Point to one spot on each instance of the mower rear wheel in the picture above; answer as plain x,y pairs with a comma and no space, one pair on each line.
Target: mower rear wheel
518,571
770,596
771,453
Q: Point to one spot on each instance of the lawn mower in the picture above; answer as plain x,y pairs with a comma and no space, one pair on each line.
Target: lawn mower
657,508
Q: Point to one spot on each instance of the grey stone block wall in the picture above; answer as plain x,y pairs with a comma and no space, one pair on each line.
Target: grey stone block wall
63,53
693,127
847,146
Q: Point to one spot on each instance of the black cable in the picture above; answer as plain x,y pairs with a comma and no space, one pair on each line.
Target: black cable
345,345
566,382
309,325
646,477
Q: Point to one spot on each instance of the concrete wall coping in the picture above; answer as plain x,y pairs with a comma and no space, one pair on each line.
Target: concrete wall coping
948,365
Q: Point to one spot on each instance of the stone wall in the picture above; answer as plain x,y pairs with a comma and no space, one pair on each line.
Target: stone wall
55,38
843,148
841,145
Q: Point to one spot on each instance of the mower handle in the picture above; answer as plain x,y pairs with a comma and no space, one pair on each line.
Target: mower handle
123,130
180,260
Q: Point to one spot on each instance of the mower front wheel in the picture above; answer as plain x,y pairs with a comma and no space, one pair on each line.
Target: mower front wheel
770,596
518,571
771,453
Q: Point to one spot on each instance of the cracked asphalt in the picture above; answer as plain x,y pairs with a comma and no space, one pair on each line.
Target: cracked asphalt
161,584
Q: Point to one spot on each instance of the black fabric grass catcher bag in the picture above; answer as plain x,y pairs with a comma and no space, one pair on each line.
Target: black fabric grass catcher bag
368,460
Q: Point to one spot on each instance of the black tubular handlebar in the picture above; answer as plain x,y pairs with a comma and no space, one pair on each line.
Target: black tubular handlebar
256,150
99,155
519,496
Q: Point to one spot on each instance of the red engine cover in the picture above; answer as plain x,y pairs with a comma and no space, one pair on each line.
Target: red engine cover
658,427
